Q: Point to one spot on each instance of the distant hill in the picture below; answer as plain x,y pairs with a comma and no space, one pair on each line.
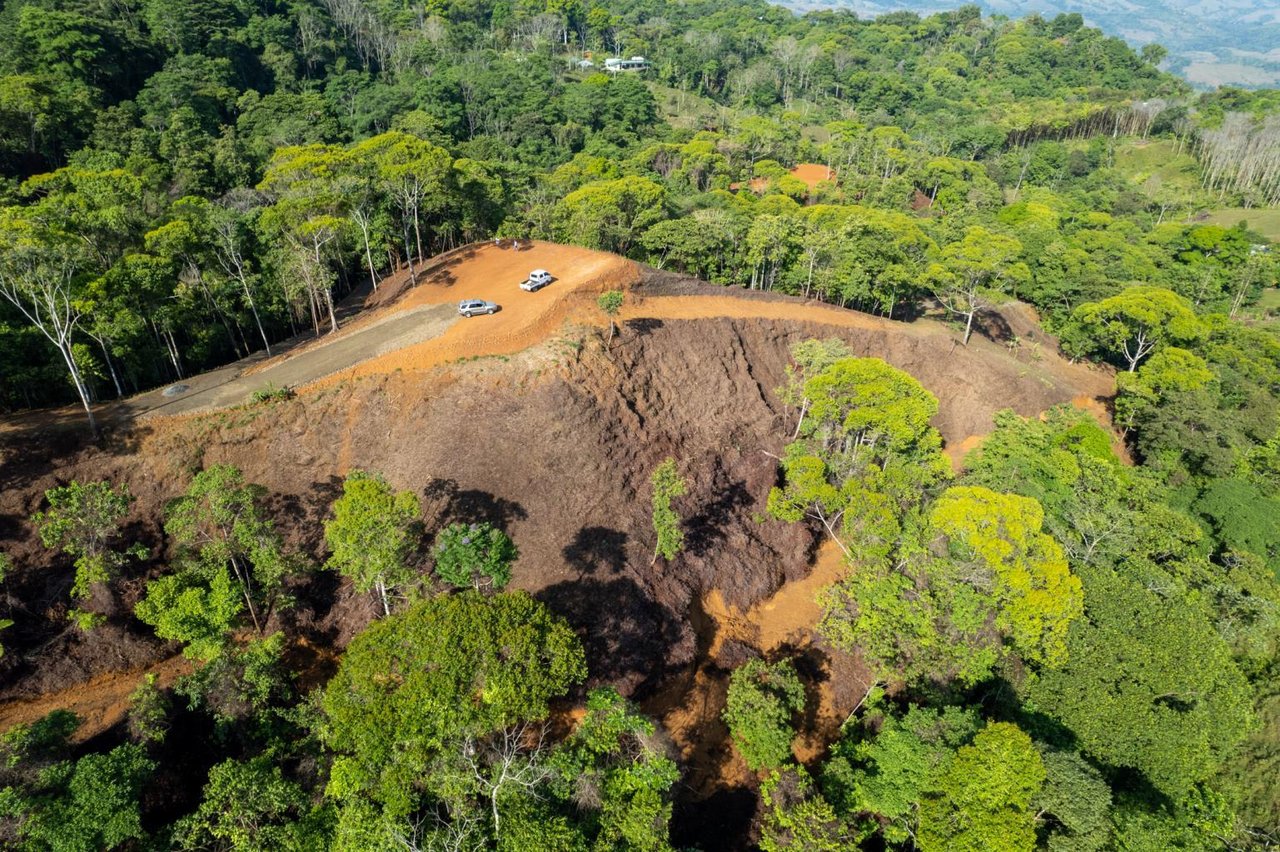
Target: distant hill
1210,42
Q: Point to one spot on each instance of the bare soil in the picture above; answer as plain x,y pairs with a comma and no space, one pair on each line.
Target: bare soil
526,419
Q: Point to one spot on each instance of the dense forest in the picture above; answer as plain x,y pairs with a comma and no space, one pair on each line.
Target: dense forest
1073,640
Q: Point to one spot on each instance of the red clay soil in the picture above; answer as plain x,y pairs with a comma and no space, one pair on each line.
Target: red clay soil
554,442
100,703
811,174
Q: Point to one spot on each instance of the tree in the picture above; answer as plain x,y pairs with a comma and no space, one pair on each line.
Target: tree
199,611
618,774
40,276
478,555
415,684
797,818
84,521
885,764
372,534
983,796
1075,801
148,711
980,262
611,214
808,359
1037,595
610,302
667,484
1133,324
1128,694
250,805
83,805
220,525
760,710
867,431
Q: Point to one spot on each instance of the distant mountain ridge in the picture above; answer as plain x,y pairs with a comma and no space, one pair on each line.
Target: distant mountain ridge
1210,42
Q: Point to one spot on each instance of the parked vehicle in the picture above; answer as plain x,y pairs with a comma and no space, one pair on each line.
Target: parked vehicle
537,279
471,307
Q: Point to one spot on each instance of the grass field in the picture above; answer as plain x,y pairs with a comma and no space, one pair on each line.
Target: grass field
684,109
1264,220
1156,164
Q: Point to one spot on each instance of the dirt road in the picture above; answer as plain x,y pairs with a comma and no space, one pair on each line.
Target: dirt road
236,383
408,326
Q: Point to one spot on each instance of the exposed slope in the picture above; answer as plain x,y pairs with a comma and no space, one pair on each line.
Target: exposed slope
555,443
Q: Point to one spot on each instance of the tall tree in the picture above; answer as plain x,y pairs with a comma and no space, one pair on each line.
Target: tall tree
983,797
1133,324
83,520
763,702
981,263
221,523
414,685
372,534
40,276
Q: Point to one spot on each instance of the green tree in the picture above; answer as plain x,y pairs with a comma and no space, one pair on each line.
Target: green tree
83,520
372,534
251,806
474,555
86,804
981,263
148,712
1132,325
611,214
867,431
886,763
220,525
1075,802
983,796
808,359
40,275
415,684
763,702
614,770
668,533
610,302
797,818
1038,596
196,609
1129,695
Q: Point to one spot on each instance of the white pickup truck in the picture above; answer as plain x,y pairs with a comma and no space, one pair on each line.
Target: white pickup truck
537,279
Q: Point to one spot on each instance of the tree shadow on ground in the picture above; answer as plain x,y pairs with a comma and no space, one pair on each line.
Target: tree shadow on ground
596,549
445,502
993,326
721,821
705,531
627,635
304,514
642,327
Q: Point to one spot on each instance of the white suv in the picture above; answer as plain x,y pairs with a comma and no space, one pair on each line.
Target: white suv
471,307
537,279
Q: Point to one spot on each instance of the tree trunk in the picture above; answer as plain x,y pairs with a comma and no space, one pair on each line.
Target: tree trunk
111,367
65,349
368,253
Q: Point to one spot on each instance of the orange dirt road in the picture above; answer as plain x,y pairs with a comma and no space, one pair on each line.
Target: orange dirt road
100,703
493,273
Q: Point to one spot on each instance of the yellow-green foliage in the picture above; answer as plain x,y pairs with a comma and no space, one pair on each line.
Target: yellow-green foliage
1039,595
